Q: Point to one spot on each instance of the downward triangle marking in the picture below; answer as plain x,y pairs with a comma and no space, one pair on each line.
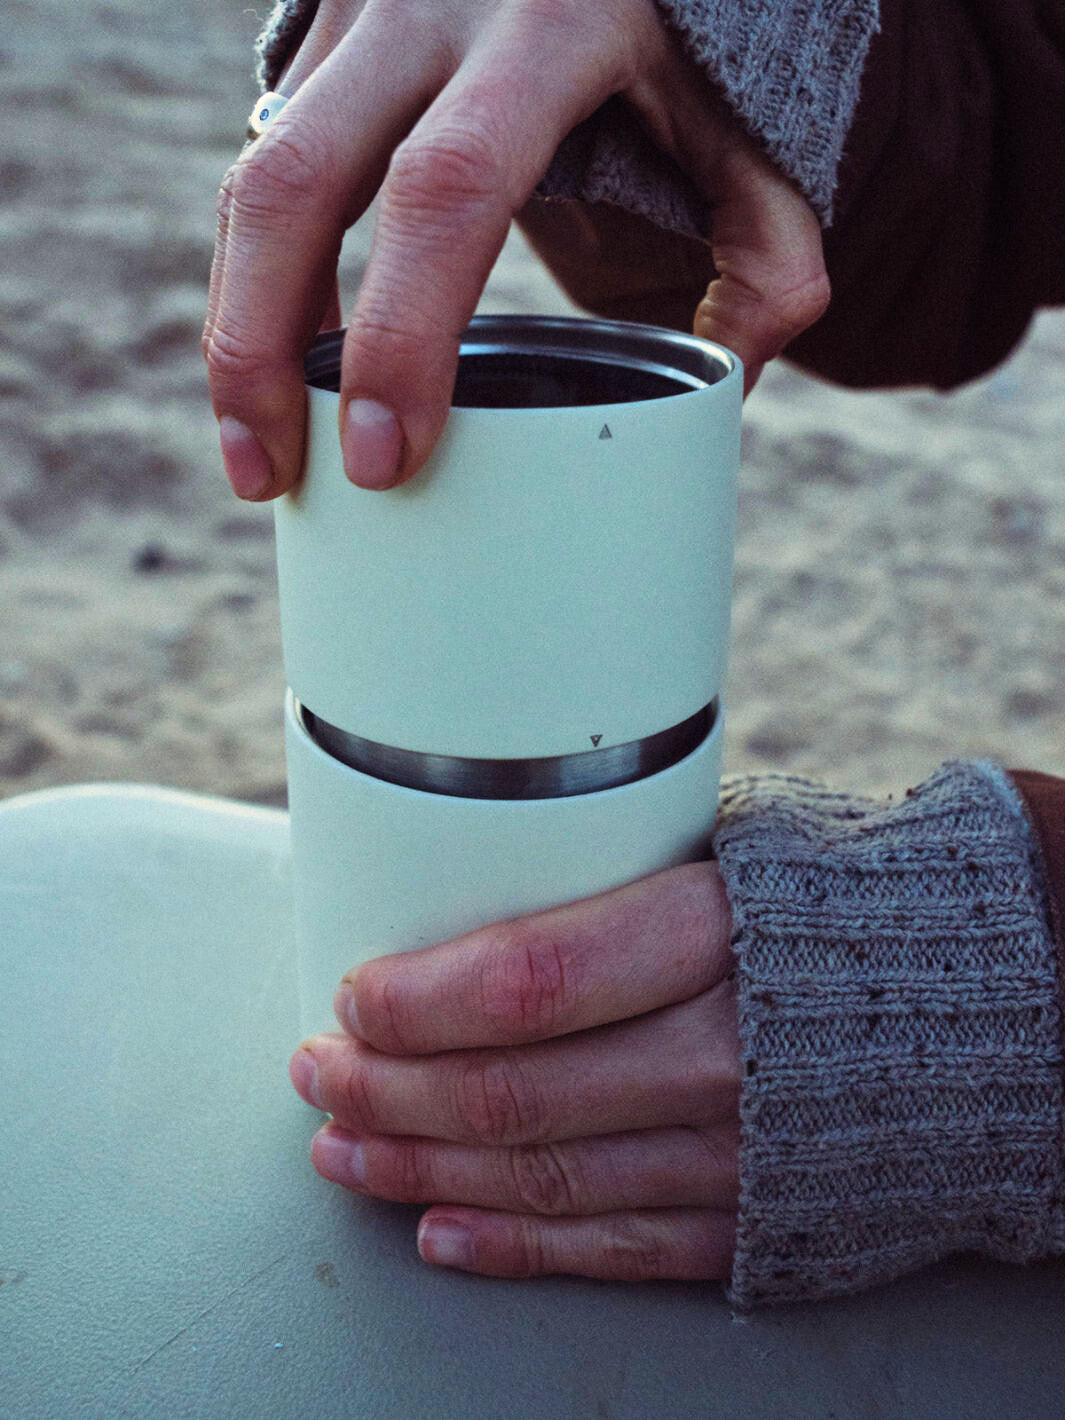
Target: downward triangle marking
604,432
595,739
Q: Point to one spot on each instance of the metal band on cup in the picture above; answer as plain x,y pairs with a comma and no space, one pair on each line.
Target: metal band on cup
545,777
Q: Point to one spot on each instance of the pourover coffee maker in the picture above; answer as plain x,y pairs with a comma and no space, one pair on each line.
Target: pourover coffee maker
505,676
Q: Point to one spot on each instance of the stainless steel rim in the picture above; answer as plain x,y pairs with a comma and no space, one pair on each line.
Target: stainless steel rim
547,777
693,363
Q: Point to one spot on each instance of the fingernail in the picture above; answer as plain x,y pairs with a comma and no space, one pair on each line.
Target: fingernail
340,1160
248,466
303,1072
345,1009
372,442
445,1243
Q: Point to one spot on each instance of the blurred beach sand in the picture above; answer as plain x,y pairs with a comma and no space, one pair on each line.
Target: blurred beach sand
900,578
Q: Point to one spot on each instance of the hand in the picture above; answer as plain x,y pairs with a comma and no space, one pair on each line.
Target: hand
454,112
563,1088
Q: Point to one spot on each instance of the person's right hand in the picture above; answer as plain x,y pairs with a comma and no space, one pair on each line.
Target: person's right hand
454,112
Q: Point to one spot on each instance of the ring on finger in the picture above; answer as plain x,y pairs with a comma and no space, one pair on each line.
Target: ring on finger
266,109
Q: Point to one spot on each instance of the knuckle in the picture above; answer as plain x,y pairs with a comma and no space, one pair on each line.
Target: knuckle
531,1258
381,348
631,1251
771,307
282,172
719,1147
224,201
717,909
448,171
382,1010
706,1091
225,352
495,1101
700,921
555,26
409,1177
351,1096
711,1146
528,986
231,357
336,17
723,1066
798,306
544,1182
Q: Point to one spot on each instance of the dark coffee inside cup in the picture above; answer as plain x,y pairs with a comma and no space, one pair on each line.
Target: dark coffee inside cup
539,363
518,380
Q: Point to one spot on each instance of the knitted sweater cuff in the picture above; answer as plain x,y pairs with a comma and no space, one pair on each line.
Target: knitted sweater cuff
791,72
903,1088
284,32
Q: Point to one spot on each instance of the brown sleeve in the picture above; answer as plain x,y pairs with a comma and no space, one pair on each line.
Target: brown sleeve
1043,796
951,200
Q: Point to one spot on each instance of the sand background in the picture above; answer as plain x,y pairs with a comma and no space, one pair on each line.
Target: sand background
900,581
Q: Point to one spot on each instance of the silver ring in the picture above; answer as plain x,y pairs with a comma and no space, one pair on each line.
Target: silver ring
266,109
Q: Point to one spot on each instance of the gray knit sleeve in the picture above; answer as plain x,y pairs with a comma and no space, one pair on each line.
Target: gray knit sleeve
790,69
283,33
902,1037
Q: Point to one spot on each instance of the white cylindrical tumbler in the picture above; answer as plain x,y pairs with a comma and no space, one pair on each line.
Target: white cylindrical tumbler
505,676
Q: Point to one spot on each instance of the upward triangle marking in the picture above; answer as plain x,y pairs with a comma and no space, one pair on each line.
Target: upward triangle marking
604,432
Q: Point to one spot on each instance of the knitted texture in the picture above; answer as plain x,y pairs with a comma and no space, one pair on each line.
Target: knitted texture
281,36
902,1038
790,69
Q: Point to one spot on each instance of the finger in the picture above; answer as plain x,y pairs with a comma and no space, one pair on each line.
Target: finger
246,480
332,317
223,209
689,1244
677,1066
327,29
647,944
771,281
765,240
285,206
650,1168
330,25
445,209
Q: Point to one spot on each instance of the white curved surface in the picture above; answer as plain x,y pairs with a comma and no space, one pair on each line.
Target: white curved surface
166,1249
380,868
534,586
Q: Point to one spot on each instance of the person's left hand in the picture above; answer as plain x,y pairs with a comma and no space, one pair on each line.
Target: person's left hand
563,1087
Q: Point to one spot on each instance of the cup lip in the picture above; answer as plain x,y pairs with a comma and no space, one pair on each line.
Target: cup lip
688,360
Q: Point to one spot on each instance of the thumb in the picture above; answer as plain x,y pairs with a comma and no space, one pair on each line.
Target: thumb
770,281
